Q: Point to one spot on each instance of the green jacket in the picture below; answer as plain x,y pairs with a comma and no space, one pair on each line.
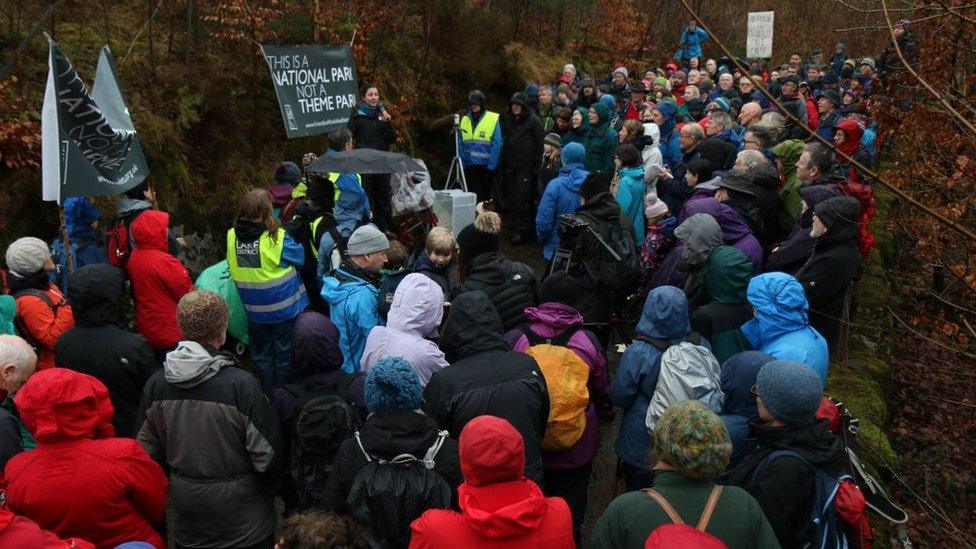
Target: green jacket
631,517
8,310
788,152
600,143
727,278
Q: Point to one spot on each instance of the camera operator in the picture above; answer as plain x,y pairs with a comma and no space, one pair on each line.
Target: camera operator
605,281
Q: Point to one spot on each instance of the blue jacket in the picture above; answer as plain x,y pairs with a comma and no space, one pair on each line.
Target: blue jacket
738,377
828,126
352,208
630,196
665,316
690,44
353,309
560,197
670,143
780,326
496,145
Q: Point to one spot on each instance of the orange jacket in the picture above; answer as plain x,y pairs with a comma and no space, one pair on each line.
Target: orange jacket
44,325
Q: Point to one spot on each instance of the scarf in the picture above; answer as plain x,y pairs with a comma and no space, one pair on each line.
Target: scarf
368,111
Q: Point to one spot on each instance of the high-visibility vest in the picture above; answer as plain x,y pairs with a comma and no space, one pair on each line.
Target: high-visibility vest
334,178
270,293
476,142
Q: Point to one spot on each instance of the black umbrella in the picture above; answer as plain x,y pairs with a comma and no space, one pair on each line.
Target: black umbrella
365,161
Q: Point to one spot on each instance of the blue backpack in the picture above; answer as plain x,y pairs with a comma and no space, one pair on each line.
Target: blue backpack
826,529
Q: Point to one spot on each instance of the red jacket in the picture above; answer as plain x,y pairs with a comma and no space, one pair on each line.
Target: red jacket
20,532
81,482
44,325
813,115
159,280
499,507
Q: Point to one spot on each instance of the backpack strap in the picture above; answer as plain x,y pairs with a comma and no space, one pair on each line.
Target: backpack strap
663,345
773,456
360,443
39,294
672,514
559,340
709,507
434,449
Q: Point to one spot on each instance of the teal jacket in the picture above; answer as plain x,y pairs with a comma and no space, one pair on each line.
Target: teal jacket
630,196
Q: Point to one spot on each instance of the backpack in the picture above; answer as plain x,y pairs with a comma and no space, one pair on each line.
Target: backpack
21,328
679,535
323,420
825,529
566,376
688,371
622,275
386,496
117,245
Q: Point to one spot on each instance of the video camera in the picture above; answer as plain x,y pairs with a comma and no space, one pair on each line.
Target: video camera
568,227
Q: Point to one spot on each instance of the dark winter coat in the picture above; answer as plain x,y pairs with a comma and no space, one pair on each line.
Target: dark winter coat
791,254
11,442
368,131
521,140
720,152
600,143
738,378
727,277
797,106
601,211
123,361
486,378
765,181
835,265
213,429
784,489
509,284
386,435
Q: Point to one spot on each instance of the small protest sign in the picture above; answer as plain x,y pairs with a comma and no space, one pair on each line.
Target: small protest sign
759,42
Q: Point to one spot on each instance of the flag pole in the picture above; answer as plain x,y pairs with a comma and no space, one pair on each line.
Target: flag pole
64,238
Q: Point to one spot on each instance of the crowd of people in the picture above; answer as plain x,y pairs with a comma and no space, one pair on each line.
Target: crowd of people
449,394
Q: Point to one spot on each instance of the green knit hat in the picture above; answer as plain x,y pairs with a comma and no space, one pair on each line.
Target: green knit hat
693,440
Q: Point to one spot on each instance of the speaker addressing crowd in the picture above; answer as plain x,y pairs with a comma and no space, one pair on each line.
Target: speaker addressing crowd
456,396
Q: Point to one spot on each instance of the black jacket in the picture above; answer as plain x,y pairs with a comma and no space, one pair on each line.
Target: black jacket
601,211
11,443
370,132
386,435
509,284
521,140
784,489
486,378
96,346
836,264
797,106
720,153
766,182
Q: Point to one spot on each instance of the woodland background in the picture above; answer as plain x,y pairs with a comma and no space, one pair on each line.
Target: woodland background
201,98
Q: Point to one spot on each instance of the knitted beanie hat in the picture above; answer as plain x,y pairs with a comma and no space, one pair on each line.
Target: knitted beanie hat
287,172
392,386
480,237
27,255
594,184
559,287
573,153
693,439
367,240
553,140
791,391
653,206
202,315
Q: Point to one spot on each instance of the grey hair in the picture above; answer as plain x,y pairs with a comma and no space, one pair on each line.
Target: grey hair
820,157
14,350
721,118
767,135
751,158
773,119
545,88
695,130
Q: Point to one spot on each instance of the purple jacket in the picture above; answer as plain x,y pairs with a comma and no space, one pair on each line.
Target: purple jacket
734,230
415,314
552,319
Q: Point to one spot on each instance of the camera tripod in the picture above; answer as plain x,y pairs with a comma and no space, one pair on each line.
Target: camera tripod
455,175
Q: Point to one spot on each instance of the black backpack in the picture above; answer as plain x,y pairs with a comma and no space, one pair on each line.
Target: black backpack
386,496
323,420
621,276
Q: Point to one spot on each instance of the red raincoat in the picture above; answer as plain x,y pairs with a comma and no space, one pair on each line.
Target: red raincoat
20,532
80,481
855,187
43,324
499,507
159,280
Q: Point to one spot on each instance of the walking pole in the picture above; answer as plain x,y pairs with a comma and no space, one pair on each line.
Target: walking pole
64,238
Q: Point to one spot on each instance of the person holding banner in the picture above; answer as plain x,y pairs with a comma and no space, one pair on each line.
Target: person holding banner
481,144
371,129
263,259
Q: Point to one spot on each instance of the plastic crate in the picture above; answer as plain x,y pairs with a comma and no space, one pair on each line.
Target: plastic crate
454,209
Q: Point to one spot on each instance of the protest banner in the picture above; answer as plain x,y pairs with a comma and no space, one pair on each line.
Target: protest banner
759,40
89,146
316,86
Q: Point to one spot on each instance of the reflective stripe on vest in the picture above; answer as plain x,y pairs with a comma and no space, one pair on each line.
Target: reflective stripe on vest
477,142
334,178
264,286
314,225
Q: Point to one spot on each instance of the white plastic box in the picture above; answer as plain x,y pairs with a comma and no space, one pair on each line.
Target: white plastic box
454,209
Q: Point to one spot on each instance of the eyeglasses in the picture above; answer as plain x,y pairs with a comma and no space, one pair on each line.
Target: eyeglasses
755,391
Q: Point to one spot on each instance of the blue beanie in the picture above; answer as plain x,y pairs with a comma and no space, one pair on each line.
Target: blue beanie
135,545
723,103
532,90
608,100
287,172
791,391
392,386
573,153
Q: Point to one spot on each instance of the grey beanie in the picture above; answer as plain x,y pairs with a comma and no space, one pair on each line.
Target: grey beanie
791,391
367,240
27,255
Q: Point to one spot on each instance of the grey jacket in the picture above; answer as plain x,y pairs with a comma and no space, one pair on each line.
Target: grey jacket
215,432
